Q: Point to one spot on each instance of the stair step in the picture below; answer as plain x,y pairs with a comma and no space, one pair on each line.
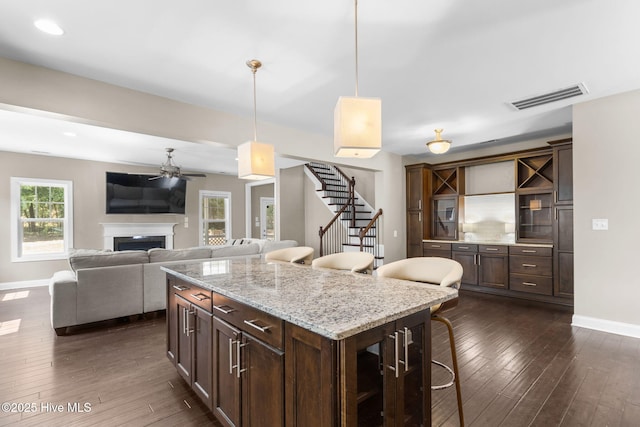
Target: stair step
353,245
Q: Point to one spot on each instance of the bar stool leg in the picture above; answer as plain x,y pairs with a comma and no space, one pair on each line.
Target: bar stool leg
454,359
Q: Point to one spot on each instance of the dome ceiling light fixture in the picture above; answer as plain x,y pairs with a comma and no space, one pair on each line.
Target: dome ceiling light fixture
439,145
255,159
357,121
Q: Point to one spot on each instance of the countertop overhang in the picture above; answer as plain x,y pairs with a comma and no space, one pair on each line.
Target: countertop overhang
332,303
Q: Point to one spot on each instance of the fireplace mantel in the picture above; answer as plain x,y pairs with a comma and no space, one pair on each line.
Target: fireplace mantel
114,229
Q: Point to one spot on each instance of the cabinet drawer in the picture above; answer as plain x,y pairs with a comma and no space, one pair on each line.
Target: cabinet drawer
437,246
194,294
493,249
462,247
530,251
532,284
257,323
538,266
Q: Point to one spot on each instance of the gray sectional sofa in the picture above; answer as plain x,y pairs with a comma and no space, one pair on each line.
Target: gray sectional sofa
102,285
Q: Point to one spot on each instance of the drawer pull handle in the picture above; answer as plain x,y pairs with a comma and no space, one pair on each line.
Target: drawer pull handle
463,247
491,249
200,296
224,308
529,284
529,265
258,327
435,246
180,288
529,251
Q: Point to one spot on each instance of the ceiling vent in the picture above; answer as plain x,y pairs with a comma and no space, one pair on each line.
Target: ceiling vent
569,92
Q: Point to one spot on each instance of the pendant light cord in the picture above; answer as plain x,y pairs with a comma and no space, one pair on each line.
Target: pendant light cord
356,27
255,109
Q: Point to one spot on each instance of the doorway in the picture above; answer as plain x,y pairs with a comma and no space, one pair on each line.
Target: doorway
267,218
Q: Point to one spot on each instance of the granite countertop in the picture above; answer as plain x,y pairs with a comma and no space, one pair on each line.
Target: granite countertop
488,242
331,303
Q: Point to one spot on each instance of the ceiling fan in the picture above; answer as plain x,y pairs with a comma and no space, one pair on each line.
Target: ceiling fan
169,170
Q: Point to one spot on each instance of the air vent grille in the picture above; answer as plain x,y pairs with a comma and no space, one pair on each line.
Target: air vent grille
569,92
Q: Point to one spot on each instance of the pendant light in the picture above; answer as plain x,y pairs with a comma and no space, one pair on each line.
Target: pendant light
357,121
255,159
439,145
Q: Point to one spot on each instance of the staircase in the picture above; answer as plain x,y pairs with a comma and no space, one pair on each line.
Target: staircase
355,226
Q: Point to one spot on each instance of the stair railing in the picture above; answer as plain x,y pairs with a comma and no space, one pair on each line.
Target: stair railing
333,235
376,222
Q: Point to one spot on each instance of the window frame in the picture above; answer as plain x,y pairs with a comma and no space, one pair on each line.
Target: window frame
201,221
16,222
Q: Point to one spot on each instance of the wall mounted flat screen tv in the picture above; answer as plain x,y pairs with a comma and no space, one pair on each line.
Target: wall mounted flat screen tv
137,194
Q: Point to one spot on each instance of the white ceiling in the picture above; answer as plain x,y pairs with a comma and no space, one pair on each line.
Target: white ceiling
451,64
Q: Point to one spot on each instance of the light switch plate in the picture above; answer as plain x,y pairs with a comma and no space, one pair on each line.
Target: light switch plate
600,224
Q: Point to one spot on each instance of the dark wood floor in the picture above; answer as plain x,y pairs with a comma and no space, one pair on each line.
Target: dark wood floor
521,364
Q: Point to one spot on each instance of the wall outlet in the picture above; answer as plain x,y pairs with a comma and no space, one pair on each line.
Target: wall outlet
395,233
186,222
600,224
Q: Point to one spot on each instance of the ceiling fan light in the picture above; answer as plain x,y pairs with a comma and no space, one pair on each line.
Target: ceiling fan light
439,145
357,127
255,160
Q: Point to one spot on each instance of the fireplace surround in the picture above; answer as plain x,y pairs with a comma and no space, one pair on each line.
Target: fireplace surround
133,230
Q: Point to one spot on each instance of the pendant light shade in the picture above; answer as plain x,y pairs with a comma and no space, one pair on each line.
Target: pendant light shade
255,159
357,127
439,145
357,122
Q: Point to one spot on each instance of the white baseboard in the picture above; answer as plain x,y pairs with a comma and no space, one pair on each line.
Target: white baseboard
24,284
619,328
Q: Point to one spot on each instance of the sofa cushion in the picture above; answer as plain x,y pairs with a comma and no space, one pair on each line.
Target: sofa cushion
164,255
234,250
88,258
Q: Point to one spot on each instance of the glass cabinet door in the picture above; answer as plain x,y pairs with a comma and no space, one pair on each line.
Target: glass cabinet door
535,219
445,218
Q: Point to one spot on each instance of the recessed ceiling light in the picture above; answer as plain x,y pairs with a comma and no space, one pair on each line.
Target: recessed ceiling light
49,27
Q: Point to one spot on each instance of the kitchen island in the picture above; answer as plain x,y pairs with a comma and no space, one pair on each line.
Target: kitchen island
283,344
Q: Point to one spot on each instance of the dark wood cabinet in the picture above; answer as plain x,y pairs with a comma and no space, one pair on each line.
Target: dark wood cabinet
189,337
563,172
417,187
563,252
437,249
386,371
249,378
493,266
530,270
467,255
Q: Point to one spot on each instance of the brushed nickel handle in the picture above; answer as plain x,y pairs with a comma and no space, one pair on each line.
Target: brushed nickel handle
529,284
184,321
224,309
396,364
405,333
420,216
258,327
490,249
200,296
529,251
180,288
529,265
188,316
435,246
239,369
231,356
419,203
463,247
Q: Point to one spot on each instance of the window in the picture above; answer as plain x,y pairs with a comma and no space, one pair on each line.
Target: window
215,217
41,219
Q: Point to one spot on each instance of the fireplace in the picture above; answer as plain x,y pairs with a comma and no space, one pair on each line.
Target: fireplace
146,235
138,243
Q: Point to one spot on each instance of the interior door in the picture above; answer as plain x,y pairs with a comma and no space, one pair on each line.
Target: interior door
267,218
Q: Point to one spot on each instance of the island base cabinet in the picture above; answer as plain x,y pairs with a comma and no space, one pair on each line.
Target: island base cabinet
189,345
249,379
385,374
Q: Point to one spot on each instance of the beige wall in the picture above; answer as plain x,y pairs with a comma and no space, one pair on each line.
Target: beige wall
89,207
290,211
606,153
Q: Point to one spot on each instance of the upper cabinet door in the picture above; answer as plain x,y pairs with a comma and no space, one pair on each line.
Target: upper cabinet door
416,187
563,164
